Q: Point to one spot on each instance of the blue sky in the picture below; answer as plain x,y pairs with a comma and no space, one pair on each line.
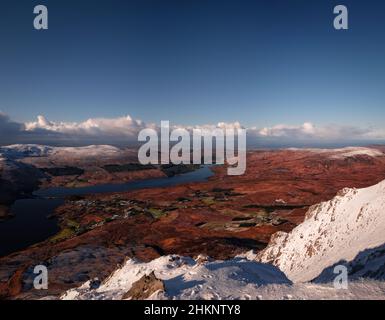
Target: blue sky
195,62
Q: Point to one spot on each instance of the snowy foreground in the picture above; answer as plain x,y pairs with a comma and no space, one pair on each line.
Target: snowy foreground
348,230
185,278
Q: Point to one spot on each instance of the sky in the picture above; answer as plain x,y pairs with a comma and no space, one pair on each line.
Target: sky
275,66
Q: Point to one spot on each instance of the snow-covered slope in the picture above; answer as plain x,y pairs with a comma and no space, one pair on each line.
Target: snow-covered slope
334,231
187,279
36,150
343,153
88,151
25,150
356,151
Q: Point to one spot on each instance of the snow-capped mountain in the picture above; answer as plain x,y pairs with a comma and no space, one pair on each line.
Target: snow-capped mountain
25,150
36,150
348,228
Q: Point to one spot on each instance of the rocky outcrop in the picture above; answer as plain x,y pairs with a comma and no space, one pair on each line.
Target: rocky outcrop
144,287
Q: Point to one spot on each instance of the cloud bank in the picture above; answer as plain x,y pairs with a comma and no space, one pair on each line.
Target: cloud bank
99,127
310,131
125,130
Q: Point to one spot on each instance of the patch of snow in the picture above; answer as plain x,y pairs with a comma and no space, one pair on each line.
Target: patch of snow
35,150
26,150
358,152
88,151
343,153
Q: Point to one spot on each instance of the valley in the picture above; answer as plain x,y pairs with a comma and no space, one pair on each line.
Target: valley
220,216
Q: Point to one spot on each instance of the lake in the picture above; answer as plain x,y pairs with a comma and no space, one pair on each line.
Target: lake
31,224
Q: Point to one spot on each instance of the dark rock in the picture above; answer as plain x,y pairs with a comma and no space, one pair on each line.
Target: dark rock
144,287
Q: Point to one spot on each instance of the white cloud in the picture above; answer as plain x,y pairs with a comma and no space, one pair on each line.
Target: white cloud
309,130
118,127
282,130
126,129
220,125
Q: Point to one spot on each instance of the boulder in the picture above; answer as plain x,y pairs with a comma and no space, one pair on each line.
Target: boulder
144,287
